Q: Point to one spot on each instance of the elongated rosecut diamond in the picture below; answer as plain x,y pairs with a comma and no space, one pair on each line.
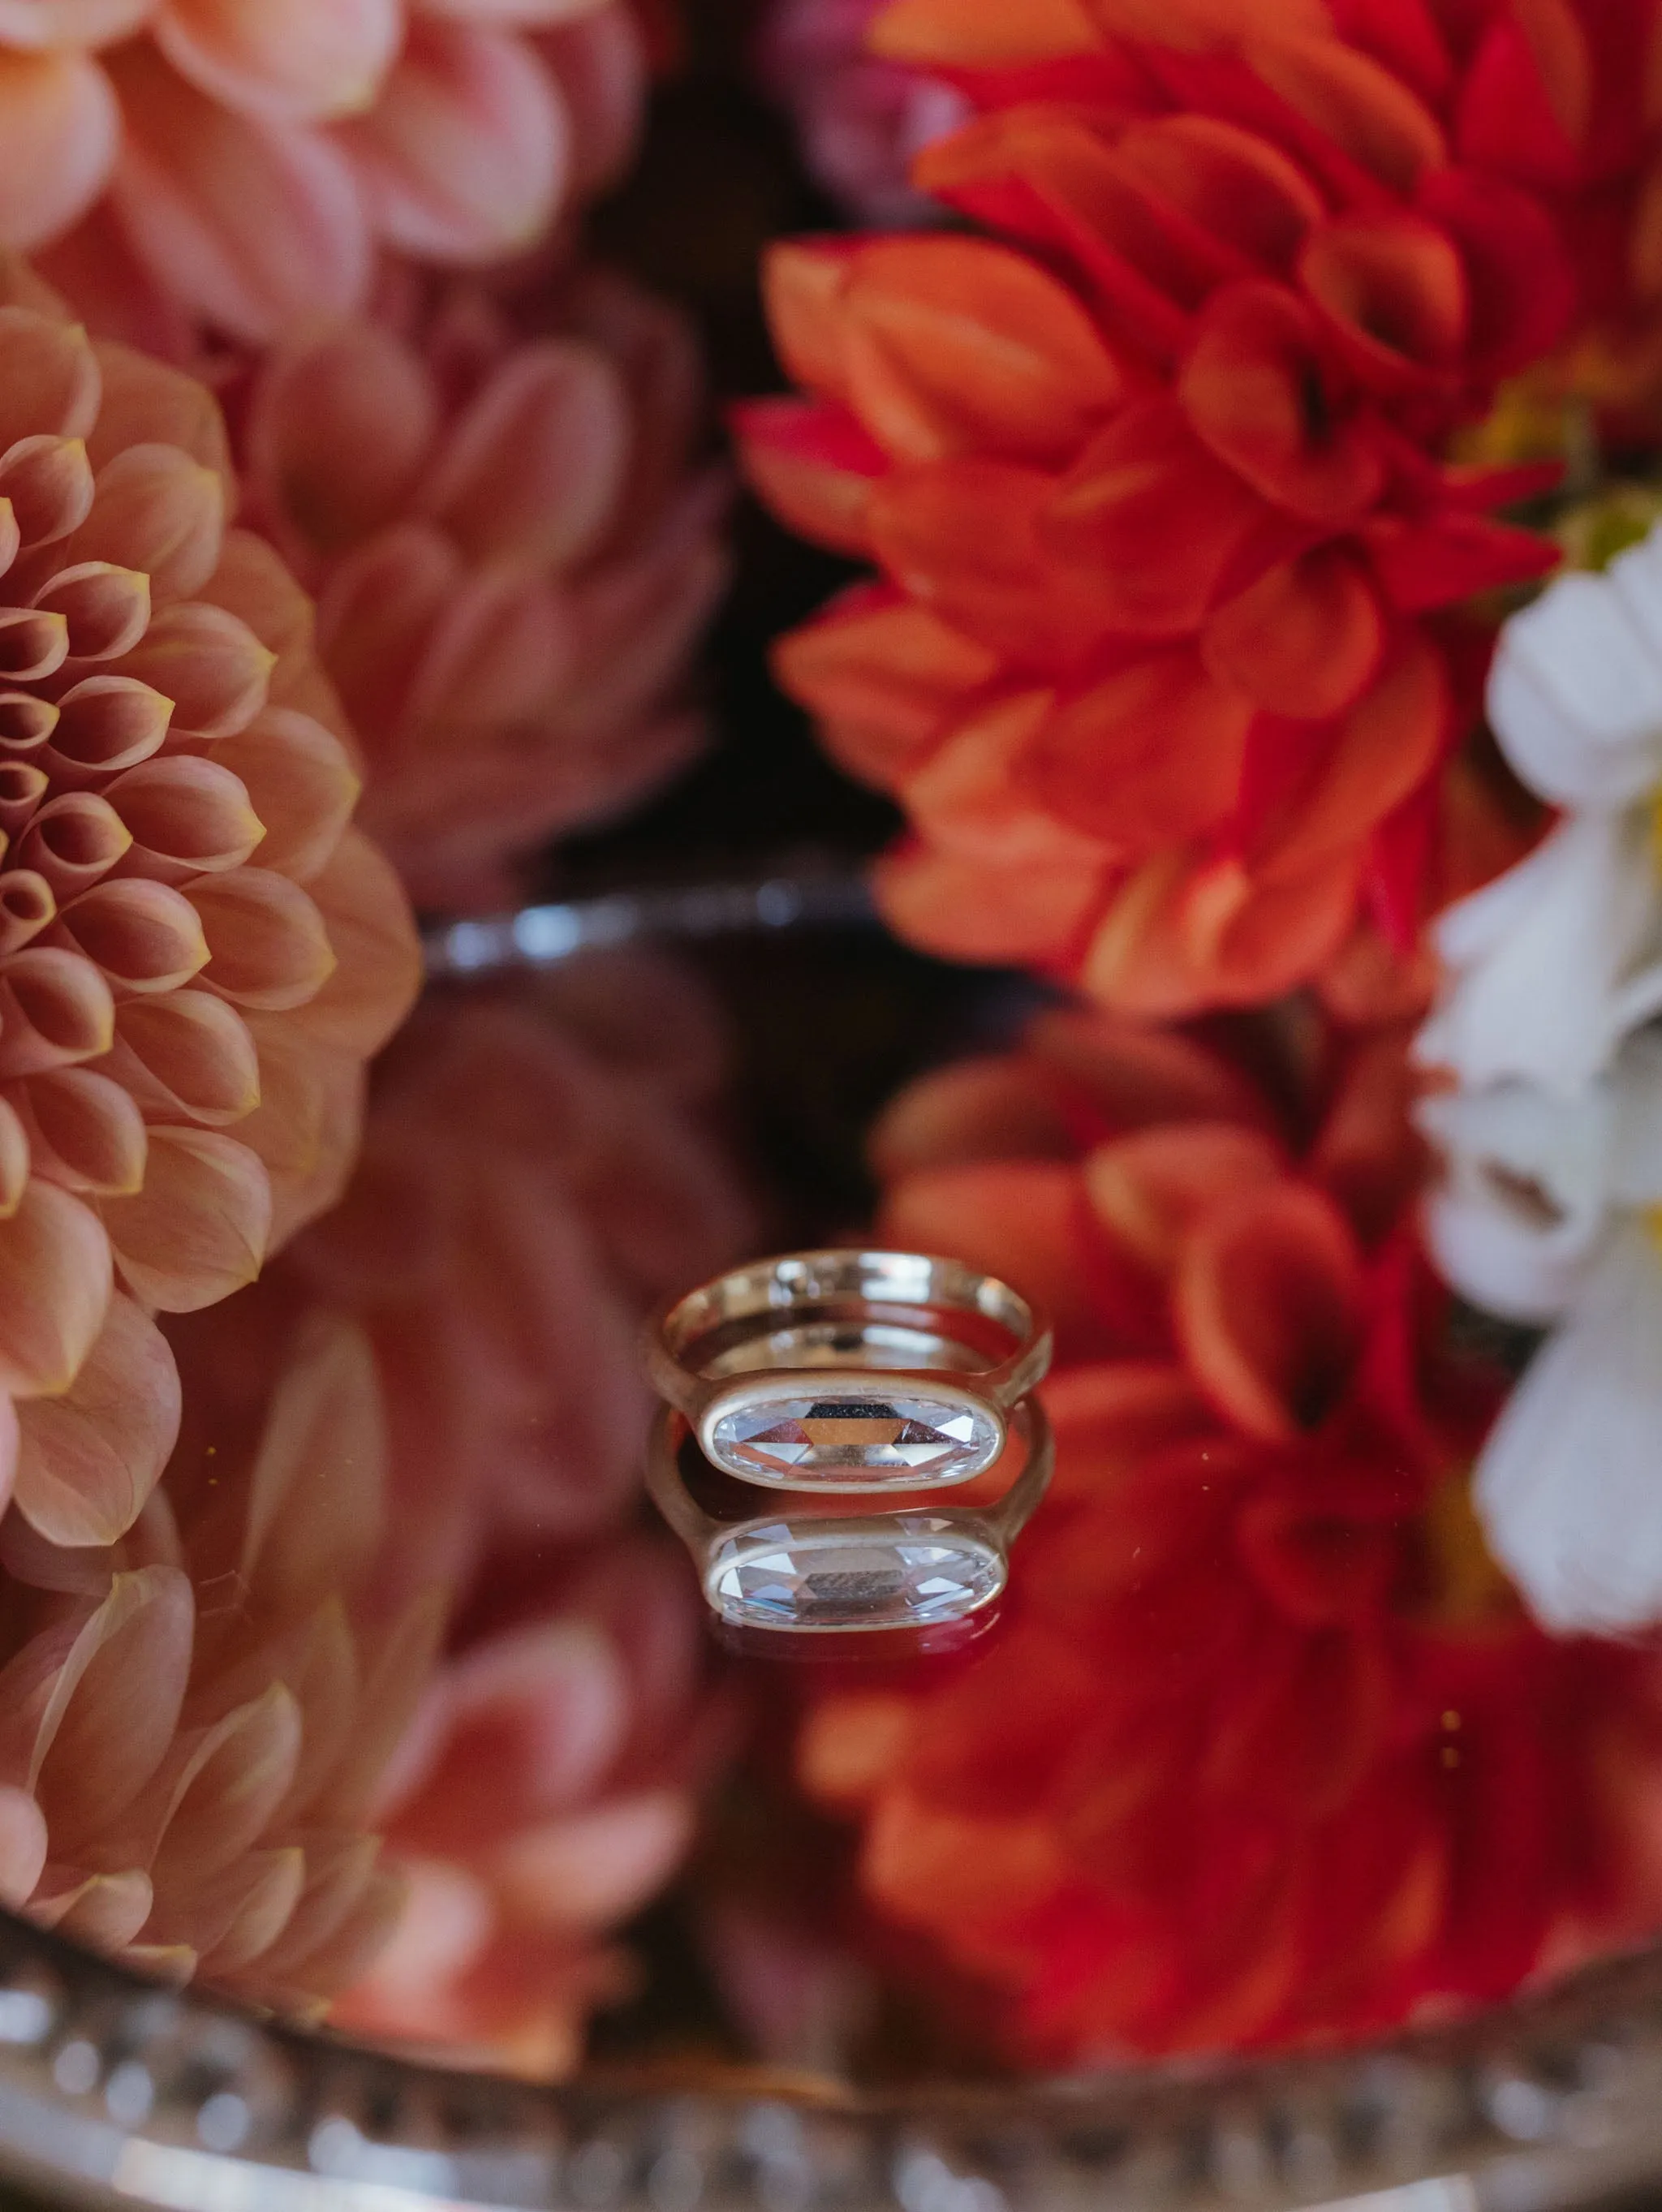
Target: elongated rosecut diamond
906,1571
826,1439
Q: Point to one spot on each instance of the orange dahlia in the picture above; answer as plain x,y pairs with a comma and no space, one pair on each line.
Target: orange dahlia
1292,1759
1161,661
242,167
183,1781
512,556
197,953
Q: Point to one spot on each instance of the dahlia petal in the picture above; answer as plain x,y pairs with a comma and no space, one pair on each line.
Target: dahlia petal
84,1131
13,1164
104,724
304,64
90,1458
1155,1188
114,1705
885,676
533,468
1269,1304
1522,289
55,1010
1392,292
394,1678
103,1911
26,721
47,481
958,345
301,784
949,904
187,818
253,224
360,1934
72,842
1565,1483
1230,184
592,1867
1355,103
1525,100
1255,388
376,614
466,153
198,1230
378,970
158,512
338,428
802,284
338,1870
1152,518
59,129
22,1846
922,32
1425,565
35,27
1151,755
308,1125
186,1056
139,936
1305,640
323,1431
267,945
221,1796
972,540
148,402
210,665
233,1916
104,608
814,468
32,645
600,62
967,798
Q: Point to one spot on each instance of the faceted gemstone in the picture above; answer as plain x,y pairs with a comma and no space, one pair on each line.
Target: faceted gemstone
839,1440
907,1571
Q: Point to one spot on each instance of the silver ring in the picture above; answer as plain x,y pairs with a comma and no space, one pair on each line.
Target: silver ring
842,1575
850,1371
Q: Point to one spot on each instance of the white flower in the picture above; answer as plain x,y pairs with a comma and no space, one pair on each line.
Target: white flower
1569,1484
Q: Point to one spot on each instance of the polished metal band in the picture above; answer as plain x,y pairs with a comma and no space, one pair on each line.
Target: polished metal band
823,1574
849,1371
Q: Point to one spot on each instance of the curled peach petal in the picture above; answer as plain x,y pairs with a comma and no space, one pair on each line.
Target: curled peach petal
375,615
14,1159
307,1126
114,1705
1268,1307
394,1678
252,223
54,1011
532,470
324,1440
209,664
48,483
360,1933
73,842
187,1056
37,26
1152,1189
338,1870
26,721
306,64
32,644
59,129
301,785
27,904
156,511
104,724
186,817
22,1846
592,1867
84,1131
105,1911
499,646
220,1794
105,609
268,947
148,402
338,430
55,1280
52,386
598,59
89,1459
198,1230
465,154
252,583
231,1917
141,936
378,955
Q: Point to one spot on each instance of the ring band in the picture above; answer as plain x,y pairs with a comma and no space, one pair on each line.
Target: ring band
850,1371
820,1575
